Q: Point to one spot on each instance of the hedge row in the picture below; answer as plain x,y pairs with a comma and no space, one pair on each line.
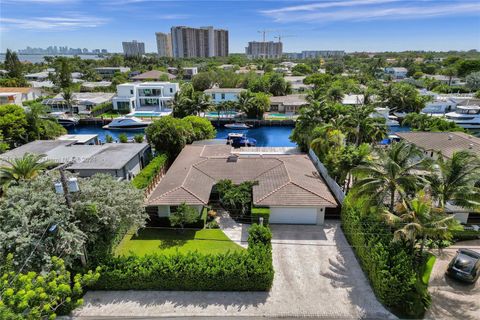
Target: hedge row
463,235
389,266
145,177
249,270
257,212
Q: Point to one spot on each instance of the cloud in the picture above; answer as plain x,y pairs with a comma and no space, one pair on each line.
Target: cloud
53,23
365,10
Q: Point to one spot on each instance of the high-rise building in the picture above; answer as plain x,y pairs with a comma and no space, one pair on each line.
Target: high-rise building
164,44
190,42
265,50
133,48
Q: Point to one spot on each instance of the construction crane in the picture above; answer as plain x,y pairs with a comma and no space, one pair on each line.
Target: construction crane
264,32
280,36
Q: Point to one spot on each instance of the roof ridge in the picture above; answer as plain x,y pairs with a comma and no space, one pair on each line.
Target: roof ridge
193,194
163,194
272,192
270,169
296,184
195,166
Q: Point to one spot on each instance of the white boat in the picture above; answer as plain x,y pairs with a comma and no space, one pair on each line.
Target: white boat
127,123
390,120
439,108
235,135
237,126
63,119
467,117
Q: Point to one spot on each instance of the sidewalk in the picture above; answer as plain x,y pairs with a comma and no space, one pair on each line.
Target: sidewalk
237,232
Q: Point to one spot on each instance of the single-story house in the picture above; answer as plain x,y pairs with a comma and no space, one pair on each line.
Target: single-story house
82,102
297,84
353,99
153,75
121,160
396,72
288,184
17,95
287,104
91,86
224,94
453,81
109,72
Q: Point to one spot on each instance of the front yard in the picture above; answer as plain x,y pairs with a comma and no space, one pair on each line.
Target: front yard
167,241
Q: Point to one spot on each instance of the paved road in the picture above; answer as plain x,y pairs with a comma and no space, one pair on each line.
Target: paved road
316,274
451,299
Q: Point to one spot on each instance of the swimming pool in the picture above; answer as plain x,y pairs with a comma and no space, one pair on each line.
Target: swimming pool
223,114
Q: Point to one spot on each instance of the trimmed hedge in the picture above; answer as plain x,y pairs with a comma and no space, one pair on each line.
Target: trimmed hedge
256,213
390,266
249,270
102,108
463,235
145,177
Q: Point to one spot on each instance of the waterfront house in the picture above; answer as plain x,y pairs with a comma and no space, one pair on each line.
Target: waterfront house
219,95
145,96
109,72
452,81
287,104
396,72
153,75
18,95
296,82
92,86
121,160
288,184
188,72
82,102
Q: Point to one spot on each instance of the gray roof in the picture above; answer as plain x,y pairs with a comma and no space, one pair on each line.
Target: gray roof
224,90
110,156
444,142
290,100
283,180
153,74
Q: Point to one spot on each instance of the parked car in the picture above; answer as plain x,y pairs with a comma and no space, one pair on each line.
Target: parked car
465,266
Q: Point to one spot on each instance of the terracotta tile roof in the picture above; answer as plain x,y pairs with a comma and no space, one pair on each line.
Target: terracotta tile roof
283,180
444,142
153,74
15,89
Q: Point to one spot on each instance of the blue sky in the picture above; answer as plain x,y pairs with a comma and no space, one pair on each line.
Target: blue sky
351,25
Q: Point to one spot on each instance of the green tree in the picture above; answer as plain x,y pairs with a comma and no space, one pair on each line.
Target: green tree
278,86
391,174
62,78
13,65
43,295
334,94
402,97
67,96
40,127
26,168
203,80
361,127
473,81
301,69
13,124
454,180
169,135
183,215
202,128
466,67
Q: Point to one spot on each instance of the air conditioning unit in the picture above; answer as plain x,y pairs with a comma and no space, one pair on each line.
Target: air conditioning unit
73,185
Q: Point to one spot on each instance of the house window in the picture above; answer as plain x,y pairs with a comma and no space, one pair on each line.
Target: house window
171,90
123,105
223,96
274,107
213,96
131,92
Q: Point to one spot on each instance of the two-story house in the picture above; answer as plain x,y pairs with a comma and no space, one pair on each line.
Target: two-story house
145,96
219,95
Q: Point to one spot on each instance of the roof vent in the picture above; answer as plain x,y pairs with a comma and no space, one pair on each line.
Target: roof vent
450,137
232,158
470,146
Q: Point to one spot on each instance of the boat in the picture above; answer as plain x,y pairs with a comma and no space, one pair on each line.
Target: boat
237,126
467,117
243,142
127,123
63,119
390,120
439,108
235,135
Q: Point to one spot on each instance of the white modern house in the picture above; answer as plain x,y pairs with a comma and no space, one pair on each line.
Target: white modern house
145,96
219,95
397,72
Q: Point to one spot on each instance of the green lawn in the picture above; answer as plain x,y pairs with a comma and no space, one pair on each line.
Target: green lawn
165,241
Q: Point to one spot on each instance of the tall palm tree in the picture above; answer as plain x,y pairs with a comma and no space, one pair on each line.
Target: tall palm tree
245,102
26,168
453,180
68,98
361,127
418,220
391,173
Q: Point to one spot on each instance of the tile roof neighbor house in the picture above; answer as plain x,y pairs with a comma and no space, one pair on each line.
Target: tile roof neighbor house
445,143
224,94
83,102
353,99
153,75
287,183
17,95
122,160
297,83
287,104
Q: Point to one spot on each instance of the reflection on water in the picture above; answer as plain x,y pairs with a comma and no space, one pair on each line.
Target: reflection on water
265,136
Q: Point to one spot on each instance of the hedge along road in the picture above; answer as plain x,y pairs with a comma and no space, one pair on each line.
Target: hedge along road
316,274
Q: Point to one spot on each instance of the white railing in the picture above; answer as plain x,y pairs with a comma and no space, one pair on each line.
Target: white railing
332,184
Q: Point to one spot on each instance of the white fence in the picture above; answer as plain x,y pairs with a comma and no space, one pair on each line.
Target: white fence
332,184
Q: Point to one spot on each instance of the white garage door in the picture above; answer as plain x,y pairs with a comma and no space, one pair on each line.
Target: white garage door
293,215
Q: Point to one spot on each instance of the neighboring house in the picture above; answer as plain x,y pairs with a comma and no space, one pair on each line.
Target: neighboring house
446,143
85,139
453,81
153,75
288,64
224,94
91,86
109,72
297,83
17,95
288,184
121,160
227,66
145,96
188,72
82,102
353,99
39,76
287,104
396,72
439,107
244,70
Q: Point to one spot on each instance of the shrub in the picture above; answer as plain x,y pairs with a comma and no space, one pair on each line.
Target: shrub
212,225
258,234
258,213
123,138
138,138
102,108
108,138
463,235
389,266
145,177
249,270
202,128
184,214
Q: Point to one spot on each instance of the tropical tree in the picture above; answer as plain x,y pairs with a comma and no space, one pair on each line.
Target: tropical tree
26,168
392,173
454,180
334,94
402,97
184,214
67,96
473,81
13,65
361,127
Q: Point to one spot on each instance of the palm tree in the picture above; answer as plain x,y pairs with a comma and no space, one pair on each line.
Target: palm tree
200,103
418,219
26,168
335,94
362,127
393,172
245,102
453,180
68,98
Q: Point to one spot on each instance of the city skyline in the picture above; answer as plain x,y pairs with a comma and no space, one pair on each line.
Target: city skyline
350,25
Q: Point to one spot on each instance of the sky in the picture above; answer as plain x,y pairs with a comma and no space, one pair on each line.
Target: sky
350,25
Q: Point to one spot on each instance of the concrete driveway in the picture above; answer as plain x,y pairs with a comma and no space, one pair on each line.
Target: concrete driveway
316,275
451,299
